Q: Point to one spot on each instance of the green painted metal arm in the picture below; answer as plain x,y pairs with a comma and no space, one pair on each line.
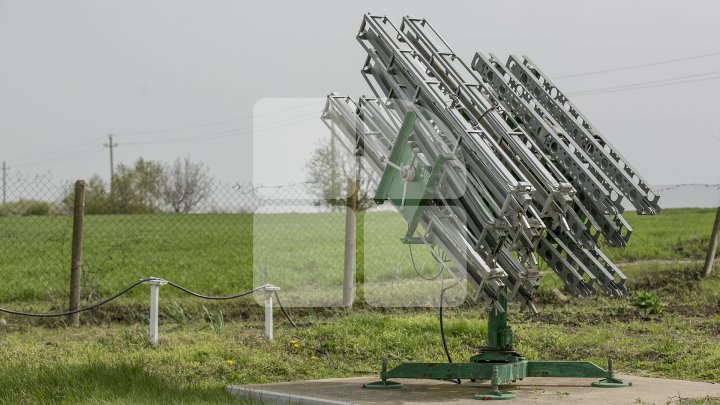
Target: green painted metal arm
409,185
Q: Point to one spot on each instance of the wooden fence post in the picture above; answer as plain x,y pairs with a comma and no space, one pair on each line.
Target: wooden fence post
710,258
77,247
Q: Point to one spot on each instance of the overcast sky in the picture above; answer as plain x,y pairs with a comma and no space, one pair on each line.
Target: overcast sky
74,71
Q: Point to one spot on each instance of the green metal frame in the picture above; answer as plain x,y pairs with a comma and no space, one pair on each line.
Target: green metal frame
497,362
420,190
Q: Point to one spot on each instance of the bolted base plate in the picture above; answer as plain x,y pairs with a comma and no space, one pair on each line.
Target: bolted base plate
494,395
383,385
610,383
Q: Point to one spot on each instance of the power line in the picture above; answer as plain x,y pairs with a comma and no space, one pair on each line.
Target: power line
37,158
210,124
223,134
201,137
669,79
193,138
640,87
67,155
638,66
63,150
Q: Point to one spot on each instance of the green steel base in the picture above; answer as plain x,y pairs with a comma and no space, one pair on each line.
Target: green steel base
610,383
383,385
498,373
494,395
498,363
500,367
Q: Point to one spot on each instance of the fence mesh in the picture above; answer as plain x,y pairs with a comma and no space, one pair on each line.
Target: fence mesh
236,237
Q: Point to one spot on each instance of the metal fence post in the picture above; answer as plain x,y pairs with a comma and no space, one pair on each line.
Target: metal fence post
269,291
349,271
710,258
77,248
155,284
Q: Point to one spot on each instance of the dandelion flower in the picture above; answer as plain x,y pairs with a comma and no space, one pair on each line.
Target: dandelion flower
229,362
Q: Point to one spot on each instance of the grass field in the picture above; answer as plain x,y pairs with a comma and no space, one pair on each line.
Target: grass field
214,253
205,346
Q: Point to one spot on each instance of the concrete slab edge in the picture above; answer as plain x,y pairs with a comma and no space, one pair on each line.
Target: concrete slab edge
265,396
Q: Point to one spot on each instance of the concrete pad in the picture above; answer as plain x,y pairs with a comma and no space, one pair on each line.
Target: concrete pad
536,390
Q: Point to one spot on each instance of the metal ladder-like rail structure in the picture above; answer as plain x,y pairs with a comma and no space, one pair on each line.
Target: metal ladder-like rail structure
493,166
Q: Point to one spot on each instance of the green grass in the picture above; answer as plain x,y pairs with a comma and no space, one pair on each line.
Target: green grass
121,249
210,253
674,234
109,361
213,253
114,364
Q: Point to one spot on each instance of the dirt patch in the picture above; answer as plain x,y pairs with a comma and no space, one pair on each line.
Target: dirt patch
669,280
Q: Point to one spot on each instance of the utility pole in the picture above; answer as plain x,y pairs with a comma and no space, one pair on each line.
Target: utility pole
111,145
5,168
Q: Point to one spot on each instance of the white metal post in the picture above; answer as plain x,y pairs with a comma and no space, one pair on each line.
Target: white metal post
269,291
155,284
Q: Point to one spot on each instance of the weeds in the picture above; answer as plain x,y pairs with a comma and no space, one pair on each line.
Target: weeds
177,314
648,302
215,320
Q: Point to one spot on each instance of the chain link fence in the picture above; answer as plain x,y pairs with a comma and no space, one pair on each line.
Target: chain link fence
208,248
234,238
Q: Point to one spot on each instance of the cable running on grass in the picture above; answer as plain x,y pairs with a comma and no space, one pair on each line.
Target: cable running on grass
214,298
277,298
137,283
101,303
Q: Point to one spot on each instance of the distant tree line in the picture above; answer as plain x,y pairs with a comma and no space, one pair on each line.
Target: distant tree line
148,187
25,208
328,171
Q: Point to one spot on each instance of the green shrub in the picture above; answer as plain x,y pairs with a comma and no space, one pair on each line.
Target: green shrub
37,208
25,208
648,302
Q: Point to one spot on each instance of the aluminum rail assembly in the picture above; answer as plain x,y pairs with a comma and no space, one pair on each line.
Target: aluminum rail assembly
449,68
410,72
392,63
602,152
520,280
510,170
492,167
443,228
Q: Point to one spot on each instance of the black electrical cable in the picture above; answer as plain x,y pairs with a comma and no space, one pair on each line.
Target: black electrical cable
137,283
125,290
418,272
214,298
442,326
277,298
